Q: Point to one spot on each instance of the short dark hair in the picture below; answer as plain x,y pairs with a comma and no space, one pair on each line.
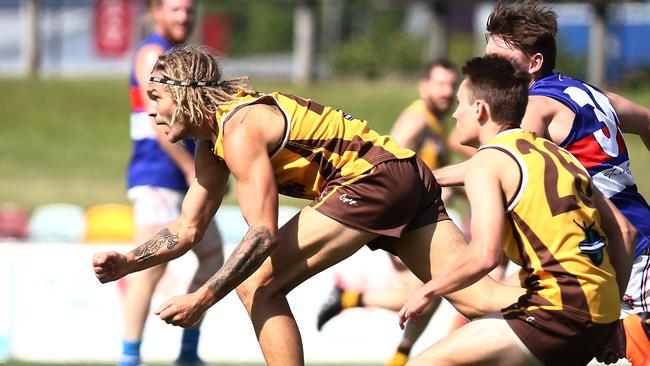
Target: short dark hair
439,62
528,26
502,85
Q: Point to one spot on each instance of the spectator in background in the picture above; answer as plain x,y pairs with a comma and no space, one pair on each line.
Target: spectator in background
419,128
158,177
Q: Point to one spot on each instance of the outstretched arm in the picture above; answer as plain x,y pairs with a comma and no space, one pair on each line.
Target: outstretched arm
199,206
633,117
483,254
248,159
451,175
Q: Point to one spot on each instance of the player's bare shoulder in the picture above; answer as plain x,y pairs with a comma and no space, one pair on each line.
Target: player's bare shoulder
260,110
148,54
542,106
548,117
260,120
496,163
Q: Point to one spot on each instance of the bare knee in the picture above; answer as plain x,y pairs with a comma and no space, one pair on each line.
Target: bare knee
472,309
253,291
250,291
246,293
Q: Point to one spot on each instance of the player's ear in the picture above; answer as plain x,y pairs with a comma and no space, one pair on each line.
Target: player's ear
536,63
482,110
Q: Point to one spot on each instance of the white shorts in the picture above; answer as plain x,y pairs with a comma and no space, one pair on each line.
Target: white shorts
637,294
155,205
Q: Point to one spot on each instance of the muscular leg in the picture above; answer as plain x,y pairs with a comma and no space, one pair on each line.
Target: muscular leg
430,249
392,298
414,329
309,243
486,341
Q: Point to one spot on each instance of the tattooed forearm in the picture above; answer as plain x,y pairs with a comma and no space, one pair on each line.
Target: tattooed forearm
254,248
151,247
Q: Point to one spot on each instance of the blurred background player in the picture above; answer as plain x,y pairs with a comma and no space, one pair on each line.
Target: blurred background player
158,177
420,128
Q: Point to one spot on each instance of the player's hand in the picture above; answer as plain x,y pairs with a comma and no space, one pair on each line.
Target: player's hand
415,304
109,266
183,311
613,350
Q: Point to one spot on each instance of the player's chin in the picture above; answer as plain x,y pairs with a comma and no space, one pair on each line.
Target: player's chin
181,33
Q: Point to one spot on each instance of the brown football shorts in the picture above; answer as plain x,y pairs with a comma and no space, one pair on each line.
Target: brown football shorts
558,337
394,197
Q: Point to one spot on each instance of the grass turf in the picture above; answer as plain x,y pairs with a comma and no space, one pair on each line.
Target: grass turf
67,140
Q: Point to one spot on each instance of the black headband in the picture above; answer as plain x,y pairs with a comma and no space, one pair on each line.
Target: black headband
156,79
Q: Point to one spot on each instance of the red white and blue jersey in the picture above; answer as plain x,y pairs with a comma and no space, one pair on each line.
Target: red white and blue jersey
597,142
149,164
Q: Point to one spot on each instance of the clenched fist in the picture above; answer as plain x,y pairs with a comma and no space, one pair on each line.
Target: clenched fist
109,266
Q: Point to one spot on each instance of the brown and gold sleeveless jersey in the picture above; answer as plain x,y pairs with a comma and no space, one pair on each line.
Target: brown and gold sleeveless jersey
319,144
556,233
431,148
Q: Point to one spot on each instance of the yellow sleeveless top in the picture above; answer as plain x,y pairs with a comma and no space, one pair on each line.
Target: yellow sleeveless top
319,144
432,147
555,231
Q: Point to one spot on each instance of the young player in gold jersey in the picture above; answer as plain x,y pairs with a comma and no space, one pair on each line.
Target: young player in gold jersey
535,202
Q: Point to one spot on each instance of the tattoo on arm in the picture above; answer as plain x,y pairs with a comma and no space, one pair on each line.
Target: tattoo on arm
254,248
151,247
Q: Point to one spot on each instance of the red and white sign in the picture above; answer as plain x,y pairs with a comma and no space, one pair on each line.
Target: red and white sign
112,27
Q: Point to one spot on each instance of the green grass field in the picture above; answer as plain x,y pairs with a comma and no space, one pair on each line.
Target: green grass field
68,140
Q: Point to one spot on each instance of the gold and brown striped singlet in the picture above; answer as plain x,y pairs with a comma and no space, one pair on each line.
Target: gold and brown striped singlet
320,144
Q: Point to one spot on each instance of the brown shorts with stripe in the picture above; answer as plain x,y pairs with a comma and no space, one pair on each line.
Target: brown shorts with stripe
396,196
558,337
